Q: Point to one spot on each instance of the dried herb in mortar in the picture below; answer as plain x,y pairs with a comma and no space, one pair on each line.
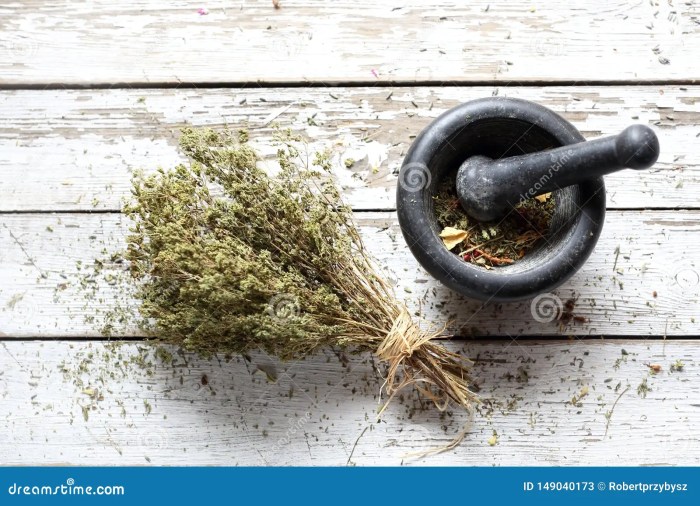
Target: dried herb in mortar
496,243
228,259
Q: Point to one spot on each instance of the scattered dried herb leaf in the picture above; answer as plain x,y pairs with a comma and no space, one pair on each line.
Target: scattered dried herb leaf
453,236
498,243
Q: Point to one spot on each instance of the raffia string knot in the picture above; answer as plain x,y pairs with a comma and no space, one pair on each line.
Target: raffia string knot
415,359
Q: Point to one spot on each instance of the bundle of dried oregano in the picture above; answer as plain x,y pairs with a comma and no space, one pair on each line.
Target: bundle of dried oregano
228,259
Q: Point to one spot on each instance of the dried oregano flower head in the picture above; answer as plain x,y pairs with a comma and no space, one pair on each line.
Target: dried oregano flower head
228,259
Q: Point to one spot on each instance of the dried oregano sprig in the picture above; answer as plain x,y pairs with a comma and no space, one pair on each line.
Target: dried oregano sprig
228,259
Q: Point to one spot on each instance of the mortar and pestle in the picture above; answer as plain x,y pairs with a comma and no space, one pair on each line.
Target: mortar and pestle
508,150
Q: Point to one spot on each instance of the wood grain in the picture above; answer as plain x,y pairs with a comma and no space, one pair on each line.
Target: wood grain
75,150
549,403
139,71
642,279
248,41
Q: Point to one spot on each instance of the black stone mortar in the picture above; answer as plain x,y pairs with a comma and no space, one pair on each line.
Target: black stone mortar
506,150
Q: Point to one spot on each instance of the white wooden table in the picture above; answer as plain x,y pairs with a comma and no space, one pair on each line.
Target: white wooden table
91,91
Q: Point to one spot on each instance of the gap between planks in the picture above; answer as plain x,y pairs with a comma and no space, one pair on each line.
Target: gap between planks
272,85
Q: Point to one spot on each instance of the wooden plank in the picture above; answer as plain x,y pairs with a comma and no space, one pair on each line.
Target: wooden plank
347,41
548,402
642,279
75,150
